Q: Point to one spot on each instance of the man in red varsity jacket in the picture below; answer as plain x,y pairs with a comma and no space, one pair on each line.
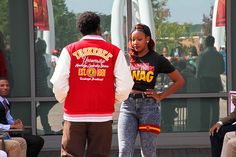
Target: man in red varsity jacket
90,77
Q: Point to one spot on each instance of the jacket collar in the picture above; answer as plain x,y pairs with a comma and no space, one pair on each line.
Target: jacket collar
93,37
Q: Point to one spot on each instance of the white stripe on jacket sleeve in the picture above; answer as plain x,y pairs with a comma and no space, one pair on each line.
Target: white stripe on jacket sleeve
60,78
123,79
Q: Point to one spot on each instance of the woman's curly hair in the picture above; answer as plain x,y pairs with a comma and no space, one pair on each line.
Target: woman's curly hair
88,23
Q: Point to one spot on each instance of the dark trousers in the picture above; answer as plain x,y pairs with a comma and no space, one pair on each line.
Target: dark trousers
209,112
97,136
218,138
43,112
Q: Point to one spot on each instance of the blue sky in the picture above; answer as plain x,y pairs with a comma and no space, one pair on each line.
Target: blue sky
79,6
190,11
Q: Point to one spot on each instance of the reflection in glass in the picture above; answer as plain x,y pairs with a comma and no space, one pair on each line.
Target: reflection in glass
16,53
4,38
51,20
49,118
184,45
173,115
190,115
202,73
210,65
223,76
42,70
17,108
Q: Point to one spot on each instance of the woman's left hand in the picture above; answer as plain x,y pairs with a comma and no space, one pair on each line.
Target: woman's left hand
152,94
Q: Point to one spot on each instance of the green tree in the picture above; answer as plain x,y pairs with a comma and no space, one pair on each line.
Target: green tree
65,24
105,22
168,34
160,12
4,16
207,23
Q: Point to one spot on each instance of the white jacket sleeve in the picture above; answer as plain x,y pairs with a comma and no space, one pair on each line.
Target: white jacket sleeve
123,79
60,77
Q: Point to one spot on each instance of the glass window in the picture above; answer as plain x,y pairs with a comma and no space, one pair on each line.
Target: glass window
192,114
43,69
181,37
44,46
49,118
184,47
17,108
14,46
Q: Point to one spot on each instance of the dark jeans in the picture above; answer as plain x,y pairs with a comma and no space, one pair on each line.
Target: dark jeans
218,138
97,136
209,112
43,112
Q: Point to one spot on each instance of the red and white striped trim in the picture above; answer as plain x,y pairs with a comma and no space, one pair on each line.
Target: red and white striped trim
149,128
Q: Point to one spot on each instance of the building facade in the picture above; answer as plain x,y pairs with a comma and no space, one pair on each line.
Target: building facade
30,64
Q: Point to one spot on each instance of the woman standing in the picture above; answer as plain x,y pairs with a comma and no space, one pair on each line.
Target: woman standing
140,112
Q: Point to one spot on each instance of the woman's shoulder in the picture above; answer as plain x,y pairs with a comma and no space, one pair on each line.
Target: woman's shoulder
155,54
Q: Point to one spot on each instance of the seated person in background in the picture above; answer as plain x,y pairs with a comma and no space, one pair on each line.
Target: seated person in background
34,143
165,53
3,153
15,147
219,129
177,53
191,56
229,145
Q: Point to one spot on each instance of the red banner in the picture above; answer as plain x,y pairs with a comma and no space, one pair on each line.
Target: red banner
41,14
221,14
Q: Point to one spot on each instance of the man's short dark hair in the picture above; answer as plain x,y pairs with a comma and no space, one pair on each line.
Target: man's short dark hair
88,23
210,41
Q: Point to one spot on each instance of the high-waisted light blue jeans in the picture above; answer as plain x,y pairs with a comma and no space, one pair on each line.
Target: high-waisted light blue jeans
140,115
